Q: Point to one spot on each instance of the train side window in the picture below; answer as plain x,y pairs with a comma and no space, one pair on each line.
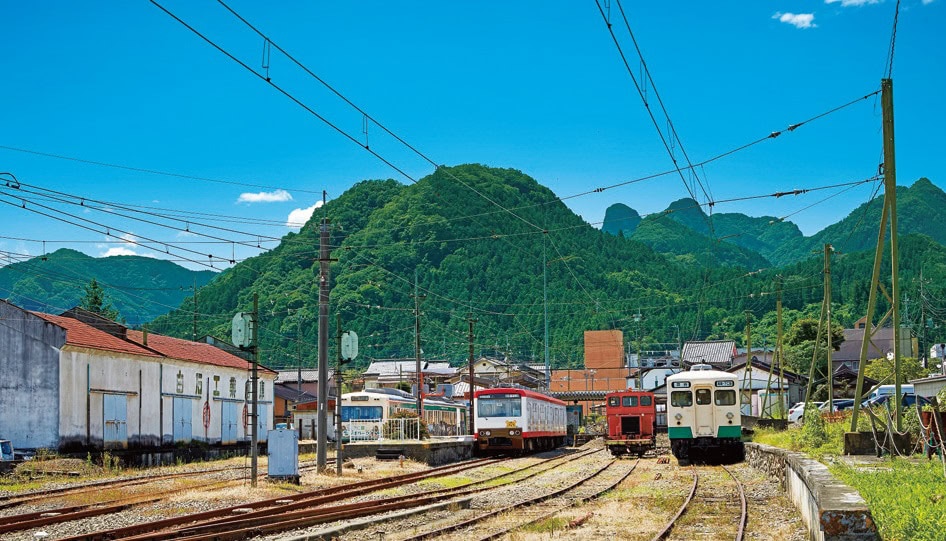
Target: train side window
646,401
725,398
614,401
630,401
681,399
703,397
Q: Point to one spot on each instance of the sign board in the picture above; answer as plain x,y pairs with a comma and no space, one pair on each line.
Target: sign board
349,345
242,331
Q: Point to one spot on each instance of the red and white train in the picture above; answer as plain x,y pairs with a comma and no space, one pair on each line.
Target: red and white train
517,420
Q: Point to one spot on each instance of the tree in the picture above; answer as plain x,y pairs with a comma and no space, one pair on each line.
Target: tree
882,370
96,300
800,343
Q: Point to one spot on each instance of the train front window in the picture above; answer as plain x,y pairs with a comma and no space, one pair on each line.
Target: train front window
614,401
361,413
645,401
725,398
703,397
499,406
681,399
630,401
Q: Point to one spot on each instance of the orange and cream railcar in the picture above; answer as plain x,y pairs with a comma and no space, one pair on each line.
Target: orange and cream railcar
518,420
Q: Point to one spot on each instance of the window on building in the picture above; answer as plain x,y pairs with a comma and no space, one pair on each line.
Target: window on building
246,391
216,385
232,387
199,384
180,382
262,389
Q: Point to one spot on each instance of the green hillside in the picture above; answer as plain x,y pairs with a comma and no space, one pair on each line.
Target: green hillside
140,288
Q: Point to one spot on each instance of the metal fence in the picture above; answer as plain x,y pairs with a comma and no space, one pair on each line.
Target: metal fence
378,430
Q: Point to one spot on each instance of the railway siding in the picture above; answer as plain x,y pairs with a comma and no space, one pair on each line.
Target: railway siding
832,510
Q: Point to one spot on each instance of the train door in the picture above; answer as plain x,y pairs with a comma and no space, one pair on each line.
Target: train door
228,422
704,412
115,417
183,415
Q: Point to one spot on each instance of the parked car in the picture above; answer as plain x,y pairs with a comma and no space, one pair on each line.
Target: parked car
906,399
840,404
797,412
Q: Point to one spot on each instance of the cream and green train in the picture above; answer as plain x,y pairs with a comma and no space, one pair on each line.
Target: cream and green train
703,418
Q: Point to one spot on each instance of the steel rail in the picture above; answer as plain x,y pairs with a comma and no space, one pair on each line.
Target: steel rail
667,529
537,499
365,486
301,514
742,500
577,501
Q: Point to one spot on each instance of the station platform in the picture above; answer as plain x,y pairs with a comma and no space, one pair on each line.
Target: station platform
433,452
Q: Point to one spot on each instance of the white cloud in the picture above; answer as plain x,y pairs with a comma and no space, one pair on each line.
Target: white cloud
299,217
118,250
927,2
277,196
856,3
798,20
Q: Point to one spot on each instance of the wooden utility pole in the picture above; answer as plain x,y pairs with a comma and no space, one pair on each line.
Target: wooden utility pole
889,212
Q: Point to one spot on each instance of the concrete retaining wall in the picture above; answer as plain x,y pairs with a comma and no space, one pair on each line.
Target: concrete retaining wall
832,510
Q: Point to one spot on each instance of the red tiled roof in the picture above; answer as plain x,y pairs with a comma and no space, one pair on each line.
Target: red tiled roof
198,352
83,335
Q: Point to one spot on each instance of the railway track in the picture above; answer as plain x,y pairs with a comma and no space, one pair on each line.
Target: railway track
499,522
712,504
279,515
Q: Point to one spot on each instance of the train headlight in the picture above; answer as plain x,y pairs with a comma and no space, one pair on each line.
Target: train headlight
487,432
730,416
678,416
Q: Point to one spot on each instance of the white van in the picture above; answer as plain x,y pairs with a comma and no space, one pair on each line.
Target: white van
905,388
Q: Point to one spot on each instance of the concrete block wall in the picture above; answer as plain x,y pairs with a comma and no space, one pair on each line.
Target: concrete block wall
832,510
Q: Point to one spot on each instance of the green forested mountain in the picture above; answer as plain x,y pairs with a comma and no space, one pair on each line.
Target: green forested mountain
486,260
140,288
473,258
780,242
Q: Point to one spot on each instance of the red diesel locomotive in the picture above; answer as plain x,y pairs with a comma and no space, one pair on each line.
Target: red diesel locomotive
632,418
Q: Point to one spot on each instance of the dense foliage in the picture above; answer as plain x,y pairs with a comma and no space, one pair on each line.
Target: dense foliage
139,288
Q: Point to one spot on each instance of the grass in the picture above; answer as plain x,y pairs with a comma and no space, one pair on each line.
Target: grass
445,482
907,497
547,525
908,500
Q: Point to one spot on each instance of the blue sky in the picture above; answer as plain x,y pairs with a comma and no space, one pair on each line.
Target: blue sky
536,86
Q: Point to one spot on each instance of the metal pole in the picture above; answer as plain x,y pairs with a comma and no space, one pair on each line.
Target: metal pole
322,436
254,395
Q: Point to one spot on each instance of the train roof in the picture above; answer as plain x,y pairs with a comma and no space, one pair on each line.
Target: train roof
629,391
701,375
520,392
397,394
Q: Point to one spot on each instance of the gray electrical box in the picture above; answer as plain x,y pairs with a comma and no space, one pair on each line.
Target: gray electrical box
283,447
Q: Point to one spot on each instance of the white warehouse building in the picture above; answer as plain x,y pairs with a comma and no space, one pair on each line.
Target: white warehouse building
77,381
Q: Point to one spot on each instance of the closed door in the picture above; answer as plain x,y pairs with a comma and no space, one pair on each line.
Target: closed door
704,412
261,422
183,416
228,427
115,417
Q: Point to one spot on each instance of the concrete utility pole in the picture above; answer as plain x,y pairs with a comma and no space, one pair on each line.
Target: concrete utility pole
254,394
545,302
322,436
471,321
338,394
827,302
747,378
417,352
889,211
